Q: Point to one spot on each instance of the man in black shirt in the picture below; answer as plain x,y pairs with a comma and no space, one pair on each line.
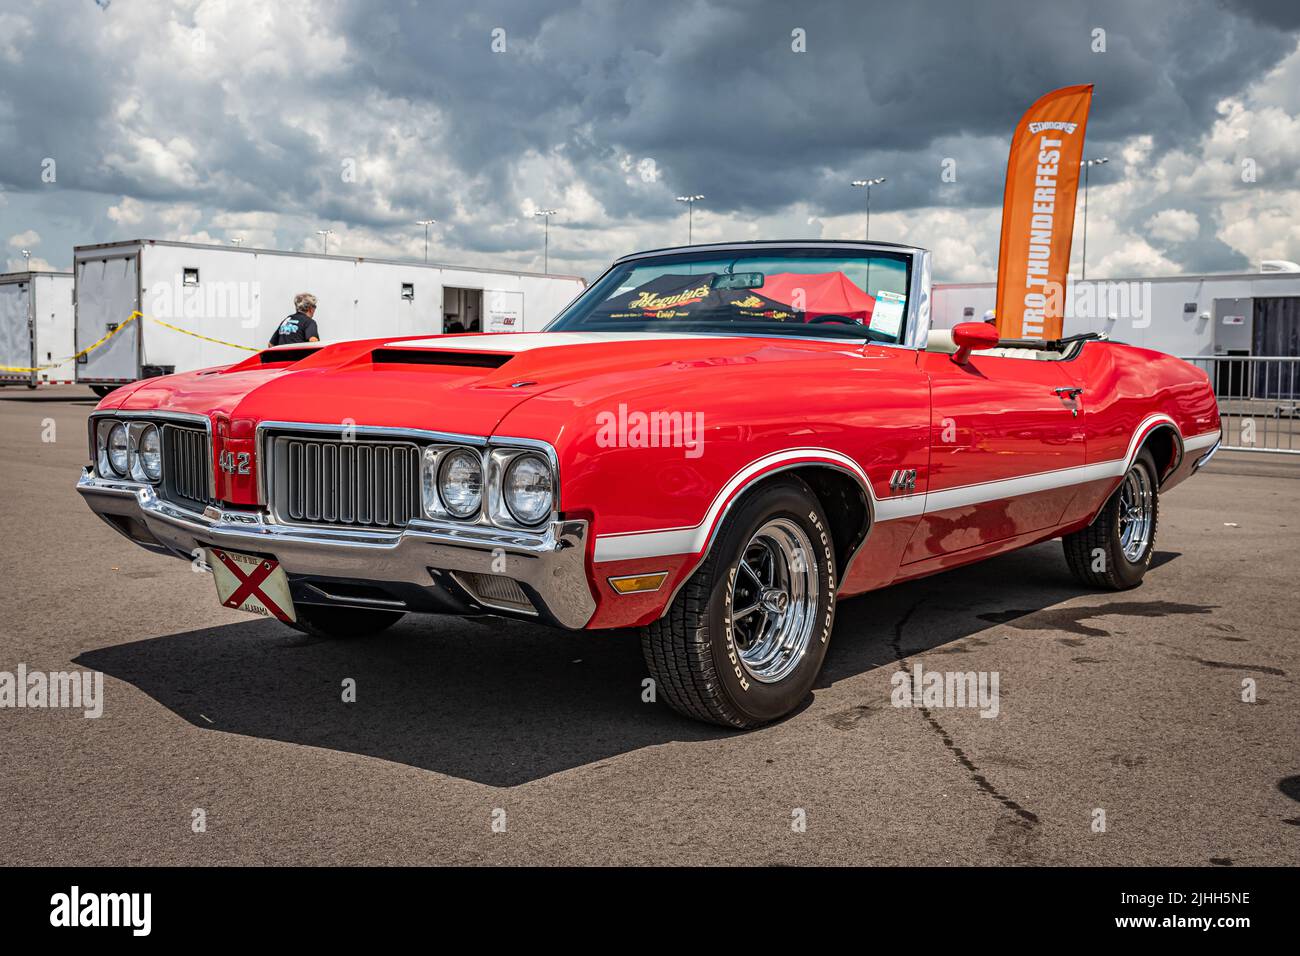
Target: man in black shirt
301,326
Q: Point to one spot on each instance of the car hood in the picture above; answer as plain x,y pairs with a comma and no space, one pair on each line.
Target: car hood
462,384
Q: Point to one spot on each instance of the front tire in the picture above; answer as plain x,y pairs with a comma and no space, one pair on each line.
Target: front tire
744,639
1115,551
343,623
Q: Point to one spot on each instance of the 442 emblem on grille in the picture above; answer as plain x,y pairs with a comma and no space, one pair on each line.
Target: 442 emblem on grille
233,463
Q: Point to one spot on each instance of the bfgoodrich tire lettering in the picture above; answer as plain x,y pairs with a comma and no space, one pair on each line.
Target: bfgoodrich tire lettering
708,659
1115,551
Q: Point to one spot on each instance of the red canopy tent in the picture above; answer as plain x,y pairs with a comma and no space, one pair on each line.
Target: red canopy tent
825,293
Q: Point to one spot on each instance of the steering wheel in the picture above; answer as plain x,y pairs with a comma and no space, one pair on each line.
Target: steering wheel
872,334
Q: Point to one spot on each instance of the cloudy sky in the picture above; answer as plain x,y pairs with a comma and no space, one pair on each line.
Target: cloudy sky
206,120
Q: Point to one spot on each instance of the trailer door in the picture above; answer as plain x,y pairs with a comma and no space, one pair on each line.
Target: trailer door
53,328
15,332
108,291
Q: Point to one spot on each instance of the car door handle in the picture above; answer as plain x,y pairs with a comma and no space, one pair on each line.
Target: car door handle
1069,391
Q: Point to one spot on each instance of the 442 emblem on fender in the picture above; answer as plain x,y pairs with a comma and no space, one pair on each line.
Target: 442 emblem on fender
903,480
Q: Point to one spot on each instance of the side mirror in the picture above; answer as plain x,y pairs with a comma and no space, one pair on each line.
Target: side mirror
971,336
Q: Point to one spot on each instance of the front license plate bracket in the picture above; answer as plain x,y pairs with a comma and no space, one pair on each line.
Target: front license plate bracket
250,582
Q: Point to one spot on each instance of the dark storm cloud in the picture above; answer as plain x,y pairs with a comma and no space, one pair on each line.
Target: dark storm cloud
708,91
1283,14
713,93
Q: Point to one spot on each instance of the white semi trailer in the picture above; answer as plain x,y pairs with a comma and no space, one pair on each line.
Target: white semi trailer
36,328
200,302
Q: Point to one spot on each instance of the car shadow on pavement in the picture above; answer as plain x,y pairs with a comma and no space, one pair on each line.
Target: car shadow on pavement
503,702
493,701
959,604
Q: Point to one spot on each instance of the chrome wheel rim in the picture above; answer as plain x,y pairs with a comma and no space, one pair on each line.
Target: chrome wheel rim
1136,506
773,600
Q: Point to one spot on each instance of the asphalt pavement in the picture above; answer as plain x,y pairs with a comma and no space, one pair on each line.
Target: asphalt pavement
1121,734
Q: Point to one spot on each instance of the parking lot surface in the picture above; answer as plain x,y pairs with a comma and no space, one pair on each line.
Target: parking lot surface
1121,734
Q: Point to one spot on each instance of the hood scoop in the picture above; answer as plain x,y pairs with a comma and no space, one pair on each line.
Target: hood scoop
444,357
277,356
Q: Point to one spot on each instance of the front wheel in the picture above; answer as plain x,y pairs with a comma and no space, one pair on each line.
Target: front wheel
1115,551
343,623
744,640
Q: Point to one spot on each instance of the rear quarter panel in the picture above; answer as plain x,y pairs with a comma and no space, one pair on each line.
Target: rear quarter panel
1130,392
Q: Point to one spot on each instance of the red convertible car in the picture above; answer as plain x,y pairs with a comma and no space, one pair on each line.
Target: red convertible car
700,446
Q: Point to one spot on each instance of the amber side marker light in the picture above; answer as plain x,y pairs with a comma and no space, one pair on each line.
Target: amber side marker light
636,583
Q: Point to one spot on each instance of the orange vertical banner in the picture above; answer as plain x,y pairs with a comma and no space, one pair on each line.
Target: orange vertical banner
1038,214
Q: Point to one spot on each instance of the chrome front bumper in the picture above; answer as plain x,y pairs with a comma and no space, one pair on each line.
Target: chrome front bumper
550,562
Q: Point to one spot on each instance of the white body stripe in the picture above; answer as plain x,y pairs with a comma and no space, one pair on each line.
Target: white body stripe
1200,441
692,540
527,341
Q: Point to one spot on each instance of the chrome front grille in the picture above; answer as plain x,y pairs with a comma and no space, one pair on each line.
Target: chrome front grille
331,481
187,466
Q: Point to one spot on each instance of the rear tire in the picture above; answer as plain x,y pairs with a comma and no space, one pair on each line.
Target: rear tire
774,563
1115,551
103,390
343,623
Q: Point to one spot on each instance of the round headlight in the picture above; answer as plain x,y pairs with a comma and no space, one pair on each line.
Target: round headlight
149,447
119,453
527,489
460,483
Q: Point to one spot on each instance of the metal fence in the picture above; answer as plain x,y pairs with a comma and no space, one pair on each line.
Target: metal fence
1259,400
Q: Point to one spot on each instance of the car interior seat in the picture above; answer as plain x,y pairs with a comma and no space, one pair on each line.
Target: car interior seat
940,340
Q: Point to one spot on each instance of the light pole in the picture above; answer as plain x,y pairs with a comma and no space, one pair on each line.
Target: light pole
690,216
546,237
868,183
426,223
325,238
1087,164
27,260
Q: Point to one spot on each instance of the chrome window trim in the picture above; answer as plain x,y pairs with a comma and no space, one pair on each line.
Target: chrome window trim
764,244
917,318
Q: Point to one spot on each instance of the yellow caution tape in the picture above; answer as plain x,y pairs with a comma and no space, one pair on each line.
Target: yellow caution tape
176,328
112,332
86,351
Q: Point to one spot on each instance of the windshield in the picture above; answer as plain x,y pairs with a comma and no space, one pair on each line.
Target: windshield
824,293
